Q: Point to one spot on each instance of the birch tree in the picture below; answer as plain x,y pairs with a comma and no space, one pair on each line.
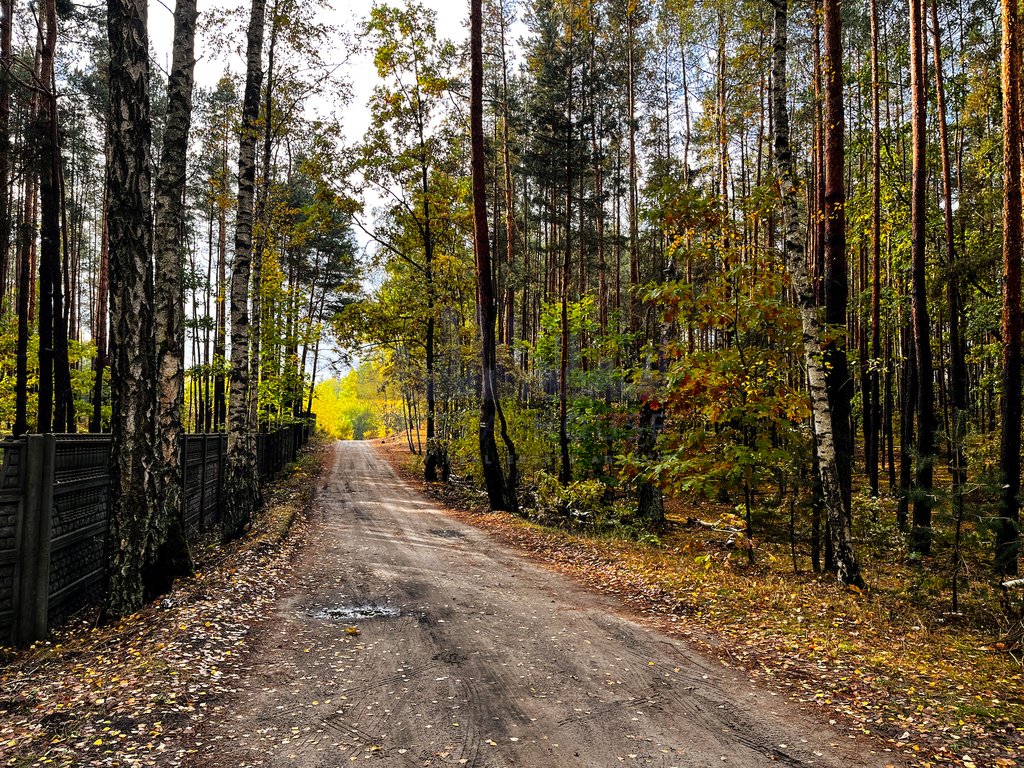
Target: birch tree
169,241
837,513
133,369
242,488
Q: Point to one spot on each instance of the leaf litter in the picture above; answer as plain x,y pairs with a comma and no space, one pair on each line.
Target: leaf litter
932,695
134,693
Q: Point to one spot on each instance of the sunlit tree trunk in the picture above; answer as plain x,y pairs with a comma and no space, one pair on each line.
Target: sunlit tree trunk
1008,528
847,568
836,287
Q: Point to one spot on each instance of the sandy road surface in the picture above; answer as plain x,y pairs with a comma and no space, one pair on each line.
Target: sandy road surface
478,657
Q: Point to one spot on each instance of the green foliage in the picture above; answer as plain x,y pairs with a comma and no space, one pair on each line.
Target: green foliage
734,413
8,347
580,502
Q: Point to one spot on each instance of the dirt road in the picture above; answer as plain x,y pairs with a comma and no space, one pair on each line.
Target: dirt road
468,654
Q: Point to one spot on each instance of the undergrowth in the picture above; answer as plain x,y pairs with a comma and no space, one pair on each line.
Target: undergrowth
892,661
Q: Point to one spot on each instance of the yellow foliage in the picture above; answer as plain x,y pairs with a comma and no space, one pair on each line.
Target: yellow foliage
353,407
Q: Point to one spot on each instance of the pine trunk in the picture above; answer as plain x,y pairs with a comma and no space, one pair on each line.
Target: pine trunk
6,198
874,404
836,283
494,477
100,362
1008,528
921,520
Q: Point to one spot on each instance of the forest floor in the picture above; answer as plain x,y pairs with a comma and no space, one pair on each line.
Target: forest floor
889,663
384,628
134,693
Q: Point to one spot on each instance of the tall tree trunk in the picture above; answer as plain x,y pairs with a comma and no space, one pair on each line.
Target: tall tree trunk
242,486
509,193
874,403
436,457
957,353
25,292
49,228
262,223
565,465
103,294
921,521
494,477
133,360
837,512
220,409
56,405
6,198
1008,528
169,249
836,289
56,218
817,200
634,225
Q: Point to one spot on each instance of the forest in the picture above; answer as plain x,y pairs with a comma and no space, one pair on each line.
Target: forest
612,264
737,260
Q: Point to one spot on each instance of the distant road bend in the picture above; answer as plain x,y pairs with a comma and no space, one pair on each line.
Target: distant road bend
468,654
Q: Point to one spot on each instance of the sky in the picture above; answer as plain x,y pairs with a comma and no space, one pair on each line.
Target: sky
357,68
452,16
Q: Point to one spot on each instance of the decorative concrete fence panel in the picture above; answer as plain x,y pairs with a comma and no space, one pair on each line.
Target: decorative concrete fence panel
54,517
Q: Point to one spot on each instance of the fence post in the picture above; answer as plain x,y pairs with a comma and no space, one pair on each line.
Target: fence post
33,580
183,458
221,462
202,486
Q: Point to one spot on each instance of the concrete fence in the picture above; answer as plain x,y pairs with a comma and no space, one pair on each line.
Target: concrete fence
54,517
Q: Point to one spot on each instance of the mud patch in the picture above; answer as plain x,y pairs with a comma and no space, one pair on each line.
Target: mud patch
356,612
450,657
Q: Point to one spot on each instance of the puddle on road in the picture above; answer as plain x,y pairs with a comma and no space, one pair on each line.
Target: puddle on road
448,534
356,612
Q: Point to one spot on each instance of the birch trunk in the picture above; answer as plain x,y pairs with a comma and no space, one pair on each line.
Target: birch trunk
169,247
242,489
133,359
847,568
